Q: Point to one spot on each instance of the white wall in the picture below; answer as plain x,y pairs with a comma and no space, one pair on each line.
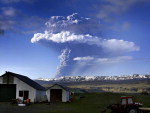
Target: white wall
40,96
23,86
48,95
1,80
65,94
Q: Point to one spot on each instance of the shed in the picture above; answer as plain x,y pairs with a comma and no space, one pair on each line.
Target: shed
13,86
58,93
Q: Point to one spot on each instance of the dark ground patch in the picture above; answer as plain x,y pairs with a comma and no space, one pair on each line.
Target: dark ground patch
91,103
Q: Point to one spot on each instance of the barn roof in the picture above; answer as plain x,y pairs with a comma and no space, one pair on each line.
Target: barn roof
63,87
26,80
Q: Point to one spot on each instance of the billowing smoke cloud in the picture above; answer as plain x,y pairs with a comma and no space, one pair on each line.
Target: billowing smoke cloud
64,57
81,45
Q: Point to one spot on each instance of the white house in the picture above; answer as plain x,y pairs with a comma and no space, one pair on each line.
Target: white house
58,93
13,86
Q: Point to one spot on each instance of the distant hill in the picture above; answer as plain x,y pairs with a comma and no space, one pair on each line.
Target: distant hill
96,79
127,84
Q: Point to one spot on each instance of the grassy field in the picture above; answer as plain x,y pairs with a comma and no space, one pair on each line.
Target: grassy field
90,103
123,88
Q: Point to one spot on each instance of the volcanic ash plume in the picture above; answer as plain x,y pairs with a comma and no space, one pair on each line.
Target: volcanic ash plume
64,58
83,49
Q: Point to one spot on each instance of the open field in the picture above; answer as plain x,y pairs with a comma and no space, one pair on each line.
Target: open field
124,86
118,88
91,103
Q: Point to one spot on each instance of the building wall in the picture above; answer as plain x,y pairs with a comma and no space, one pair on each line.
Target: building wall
48,95
65,94
1,81
65,97
23,86
40,96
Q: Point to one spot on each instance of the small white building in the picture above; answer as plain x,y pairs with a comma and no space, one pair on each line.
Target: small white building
58,93
13,86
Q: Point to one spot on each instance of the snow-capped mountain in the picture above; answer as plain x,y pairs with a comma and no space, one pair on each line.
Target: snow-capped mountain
95,78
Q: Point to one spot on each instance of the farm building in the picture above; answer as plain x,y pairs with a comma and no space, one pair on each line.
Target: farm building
13,86
58,93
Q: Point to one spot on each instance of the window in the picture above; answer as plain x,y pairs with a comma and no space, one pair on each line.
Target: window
20,93
124,101
24,94
130,101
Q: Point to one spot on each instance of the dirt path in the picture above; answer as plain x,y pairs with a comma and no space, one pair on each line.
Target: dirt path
34,108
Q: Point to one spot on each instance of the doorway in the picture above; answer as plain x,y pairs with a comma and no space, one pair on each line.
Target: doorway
56,95
7,92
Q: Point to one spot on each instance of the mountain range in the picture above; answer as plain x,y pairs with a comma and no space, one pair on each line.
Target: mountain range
135,83
94,78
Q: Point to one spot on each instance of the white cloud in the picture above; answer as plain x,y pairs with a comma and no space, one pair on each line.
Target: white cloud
6,24
8,11
87,58
58,33
8,21
120,46
94,60
72,19
10,1
116,7
6,18
114,59
119,27
62,37
57,23
126,26
110,45
15,1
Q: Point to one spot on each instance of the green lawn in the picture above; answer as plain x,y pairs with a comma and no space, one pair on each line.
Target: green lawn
91,103
95,103
117,88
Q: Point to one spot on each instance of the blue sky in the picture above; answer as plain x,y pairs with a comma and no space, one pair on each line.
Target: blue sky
80,37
